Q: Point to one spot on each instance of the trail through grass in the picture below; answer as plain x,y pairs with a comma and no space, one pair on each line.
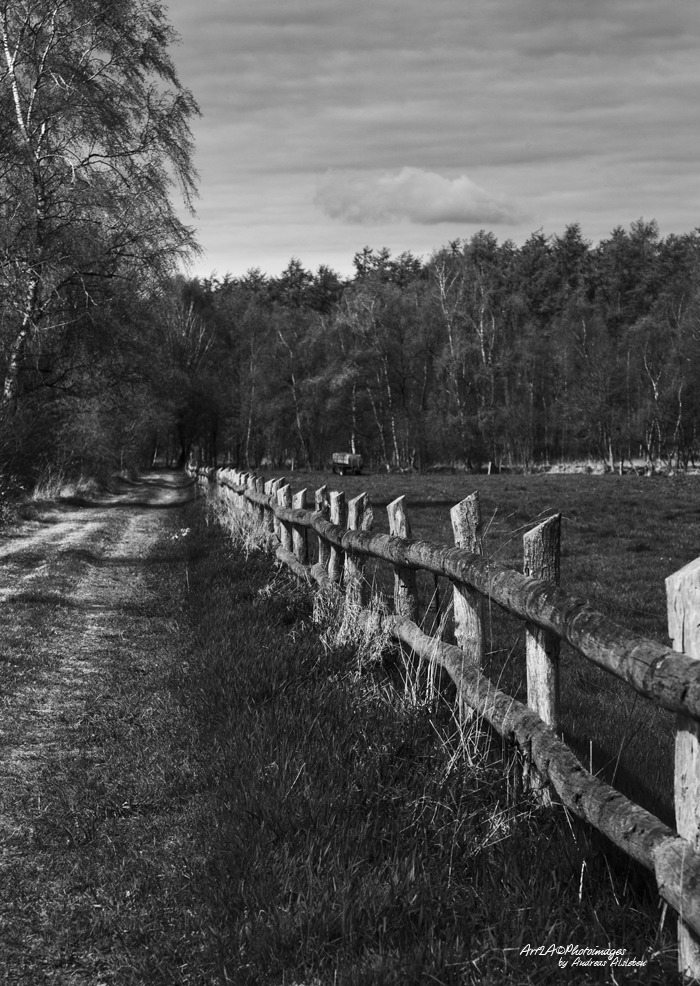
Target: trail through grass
100,808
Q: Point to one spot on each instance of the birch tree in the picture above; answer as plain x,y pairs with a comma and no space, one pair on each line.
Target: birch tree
94,133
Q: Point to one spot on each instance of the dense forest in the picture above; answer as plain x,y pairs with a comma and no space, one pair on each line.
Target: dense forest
485,352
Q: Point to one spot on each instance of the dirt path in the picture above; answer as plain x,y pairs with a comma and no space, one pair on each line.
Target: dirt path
76,587
84,564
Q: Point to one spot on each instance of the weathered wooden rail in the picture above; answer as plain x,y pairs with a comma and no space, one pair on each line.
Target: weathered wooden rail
666,676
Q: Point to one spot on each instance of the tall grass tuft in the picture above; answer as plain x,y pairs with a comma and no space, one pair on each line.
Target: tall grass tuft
246,533
55,482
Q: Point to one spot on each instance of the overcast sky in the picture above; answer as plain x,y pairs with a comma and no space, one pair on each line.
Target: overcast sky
329,125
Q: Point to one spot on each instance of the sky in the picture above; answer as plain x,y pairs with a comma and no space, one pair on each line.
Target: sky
331,125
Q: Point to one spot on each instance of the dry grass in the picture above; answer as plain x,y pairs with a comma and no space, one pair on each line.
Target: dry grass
55,482
245,530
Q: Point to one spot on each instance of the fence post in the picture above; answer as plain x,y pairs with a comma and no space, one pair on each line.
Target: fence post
468,603
405,594
269,517
260,509
323,507
249,483
224,491
284,499
275,485
252,485
301,551
541,554
360,518
541,560
683,602
339,516
240,501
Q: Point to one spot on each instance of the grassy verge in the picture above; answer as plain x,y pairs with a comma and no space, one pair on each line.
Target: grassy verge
621,536
357,836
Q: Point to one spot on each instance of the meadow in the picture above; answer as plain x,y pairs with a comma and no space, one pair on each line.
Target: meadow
621,537
362,835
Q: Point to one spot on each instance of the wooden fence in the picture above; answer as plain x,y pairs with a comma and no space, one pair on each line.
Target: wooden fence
668,677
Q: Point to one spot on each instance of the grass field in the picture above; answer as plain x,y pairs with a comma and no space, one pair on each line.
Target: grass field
358,837
621,537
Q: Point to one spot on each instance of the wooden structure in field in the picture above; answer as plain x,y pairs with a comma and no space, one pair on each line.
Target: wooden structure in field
349,462
668,677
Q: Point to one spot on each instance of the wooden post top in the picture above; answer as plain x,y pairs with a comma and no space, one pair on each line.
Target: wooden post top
466,524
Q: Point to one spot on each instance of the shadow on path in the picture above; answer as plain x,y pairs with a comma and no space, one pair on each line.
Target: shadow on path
152,490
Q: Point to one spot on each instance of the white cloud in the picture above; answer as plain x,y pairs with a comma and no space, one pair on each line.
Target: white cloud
411,194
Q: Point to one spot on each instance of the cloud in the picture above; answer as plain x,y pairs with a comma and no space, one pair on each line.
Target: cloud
411,194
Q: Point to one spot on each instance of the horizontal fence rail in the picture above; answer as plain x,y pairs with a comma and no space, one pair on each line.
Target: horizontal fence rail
668,677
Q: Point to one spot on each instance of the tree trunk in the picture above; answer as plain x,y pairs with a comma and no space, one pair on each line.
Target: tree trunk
10,391
380,428
392,416
249,428
353,423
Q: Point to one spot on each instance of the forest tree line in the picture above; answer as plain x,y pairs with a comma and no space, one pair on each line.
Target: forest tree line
486,352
